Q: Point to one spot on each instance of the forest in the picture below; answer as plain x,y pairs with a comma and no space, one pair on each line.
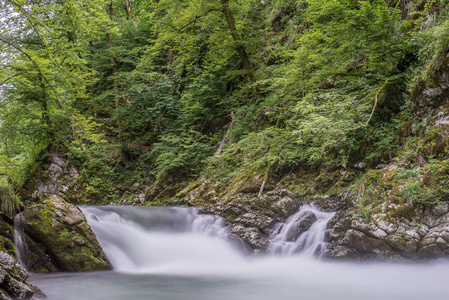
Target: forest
140,92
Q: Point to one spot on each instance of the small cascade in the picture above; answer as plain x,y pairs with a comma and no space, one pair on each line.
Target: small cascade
161,239
19,241
302,233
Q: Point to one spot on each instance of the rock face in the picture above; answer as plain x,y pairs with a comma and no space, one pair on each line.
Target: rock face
58,178
250,219
59,232
13,281
422,237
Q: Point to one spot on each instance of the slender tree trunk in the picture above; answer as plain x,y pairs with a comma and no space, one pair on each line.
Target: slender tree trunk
129,10
265,178
114,71
239,47
220,148
6,147
12,147
45,112
404,9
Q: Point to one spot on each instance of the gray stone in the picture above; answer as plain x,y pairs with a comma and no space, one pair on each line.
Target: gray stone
19,289
424,238
4,295
252,236
256,220
13,277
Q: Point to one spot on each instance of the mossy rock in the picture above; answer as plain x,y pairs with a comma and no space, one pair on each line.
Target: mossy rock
62,230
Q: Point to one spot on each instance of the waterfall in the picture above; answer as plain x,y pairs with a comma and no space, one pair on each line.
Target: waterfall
175,239
161,239
19,241
302,233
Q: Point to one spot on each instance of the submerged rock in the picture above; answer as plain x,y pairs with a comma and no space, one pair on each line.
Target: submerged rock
303,224
13,283
64,237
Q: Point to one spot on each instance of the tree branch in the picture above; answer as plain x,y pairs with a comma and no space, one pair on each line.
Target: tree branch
198,17
376,100
11,77
220,148
35,64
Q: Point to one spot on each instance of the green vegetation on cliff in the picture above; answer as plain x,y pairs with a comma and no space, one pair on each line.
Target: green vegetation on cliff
163,91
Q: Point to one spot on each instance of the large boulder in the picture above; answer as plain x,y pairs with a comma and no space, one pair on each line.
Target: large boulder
13,283
63,234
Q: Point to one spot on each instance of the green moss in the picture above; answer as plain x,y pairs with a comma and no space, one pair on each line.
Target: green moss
6,245
44,216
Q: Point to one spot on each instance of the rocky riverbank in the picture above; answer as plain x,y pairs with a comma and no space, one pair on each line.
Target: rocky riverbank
422,235
13,283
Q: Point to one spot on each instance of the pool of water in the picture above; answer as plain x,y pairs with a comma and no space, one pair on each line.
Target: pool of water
288,278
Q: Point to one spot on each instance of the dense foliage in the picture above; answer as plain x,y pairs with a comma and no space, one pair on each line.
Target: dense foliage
136,89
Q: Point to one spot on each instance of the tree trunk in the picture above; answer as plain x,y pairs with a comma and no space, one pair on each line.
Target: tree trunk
12,147
239,47
45,112
220,148
404,9
6,147
129,10
114,71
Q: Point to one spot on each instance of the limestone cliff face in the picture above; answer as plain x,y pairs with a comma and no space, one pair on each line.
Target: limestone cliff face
58,177
424,236
60,234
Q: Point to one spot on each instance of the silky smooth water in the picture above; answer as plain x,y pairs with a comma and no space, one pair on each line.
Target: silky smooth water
19,242
292,278
311,242
178,253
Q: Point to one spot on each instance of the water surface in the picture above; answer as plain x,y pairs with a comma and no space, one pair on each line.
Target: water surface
265,279
181,254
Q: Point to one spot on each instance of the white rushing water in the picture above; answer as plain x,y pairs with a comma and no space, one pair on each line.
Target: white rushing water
19,242
162,240
180,254
302,233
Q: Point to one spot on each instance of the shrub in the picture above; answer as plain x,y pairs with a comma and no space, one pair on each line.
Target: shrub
10,202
